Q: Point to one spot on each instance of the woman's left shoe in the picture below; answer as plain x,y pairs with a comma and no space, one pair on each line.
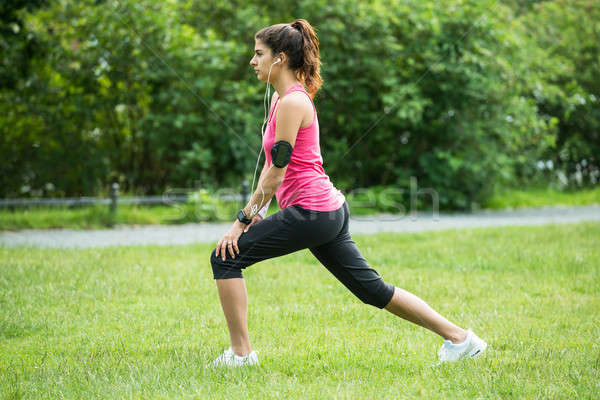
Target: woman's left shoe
472,347
230,359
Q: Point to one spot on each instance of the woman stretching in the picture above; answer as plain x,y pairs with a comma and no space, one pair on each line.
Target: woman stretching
313,213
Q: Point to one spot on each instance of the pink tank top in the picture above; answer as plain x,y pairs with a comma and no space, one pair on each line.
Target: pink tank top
305,183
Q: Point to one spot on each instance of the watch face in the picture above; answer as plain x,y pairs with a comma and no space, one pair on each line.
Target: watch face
242,217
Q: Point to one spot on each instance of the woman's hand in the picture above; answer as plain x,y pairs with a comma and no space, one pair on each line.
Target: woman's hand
255,220
230,240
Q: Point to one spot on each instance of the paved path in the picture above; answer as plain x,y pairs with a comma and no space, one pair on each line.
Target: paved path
194,233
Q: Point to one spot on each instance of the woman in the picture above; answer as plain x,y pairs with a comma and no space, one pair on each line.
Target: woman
313,213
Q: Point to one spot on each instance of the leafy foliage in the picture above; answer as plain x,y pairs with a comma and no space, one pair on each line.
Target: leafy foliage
464,96
567,33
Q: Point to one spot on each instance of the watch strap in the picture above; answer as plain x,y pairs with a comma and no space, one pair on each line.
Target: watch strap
241,216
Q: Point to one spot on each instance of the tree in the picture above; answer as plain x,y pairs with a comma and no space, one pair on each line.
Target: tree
567,34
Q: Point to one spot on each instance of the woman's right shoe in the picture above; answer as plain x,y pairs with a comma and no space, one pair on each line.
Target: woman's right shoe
229,359
472,347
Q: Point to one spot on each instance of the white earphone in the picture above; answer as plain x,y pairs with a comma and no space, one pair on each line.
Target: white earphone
253,208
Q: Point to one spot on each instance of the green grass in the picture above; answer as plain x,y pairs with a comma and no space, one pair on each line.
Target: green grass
140,322
539,197
85,217
99,217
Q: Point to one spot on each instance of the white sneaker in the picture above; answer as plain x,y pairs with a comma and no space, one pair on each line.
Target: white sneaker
230,359
472,347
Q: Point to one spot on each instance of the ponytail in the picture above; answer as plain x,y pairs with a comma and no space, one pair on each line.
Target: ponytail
300,43
309,73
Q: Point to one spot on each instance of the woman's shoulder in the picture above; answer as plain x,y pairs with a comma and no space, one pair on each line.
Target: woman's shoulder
298,100
299,105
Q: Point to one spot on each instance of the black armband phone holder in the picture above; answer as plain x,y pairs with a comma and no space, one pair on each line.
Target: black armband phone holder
281,152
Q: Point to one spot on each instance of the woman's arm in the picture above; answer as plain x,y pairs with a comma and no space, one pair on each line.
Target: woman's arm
266,188
289,118
263,211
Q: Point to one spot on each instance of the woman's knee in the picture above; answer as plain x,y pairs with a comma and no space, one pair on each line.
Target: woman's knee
223,269
376,293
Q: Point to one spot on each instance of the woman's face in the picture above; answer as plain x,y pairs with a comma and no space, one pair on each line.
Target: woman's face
262,61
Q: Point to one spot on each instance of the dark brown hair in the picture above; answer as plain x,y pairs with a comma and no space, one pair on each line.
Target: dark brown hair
299,42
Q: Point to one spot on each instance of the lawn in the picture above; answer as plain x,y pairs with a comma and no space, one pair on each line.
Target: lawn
543,196
141,322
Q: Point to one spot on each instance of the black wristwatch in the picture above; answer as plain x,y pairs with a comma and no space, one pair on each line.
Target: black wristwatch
243,218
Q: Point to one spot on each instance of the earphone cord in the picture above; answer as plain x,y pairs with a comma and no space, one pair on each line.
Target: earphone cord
254,207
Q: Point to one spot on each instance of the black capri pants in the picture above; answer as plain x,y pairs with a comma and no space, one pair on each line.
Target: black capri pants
324,233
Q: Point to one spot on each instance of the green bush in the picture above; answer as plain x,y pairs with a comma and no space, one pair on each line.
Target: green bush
204,206
464,96
567,85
